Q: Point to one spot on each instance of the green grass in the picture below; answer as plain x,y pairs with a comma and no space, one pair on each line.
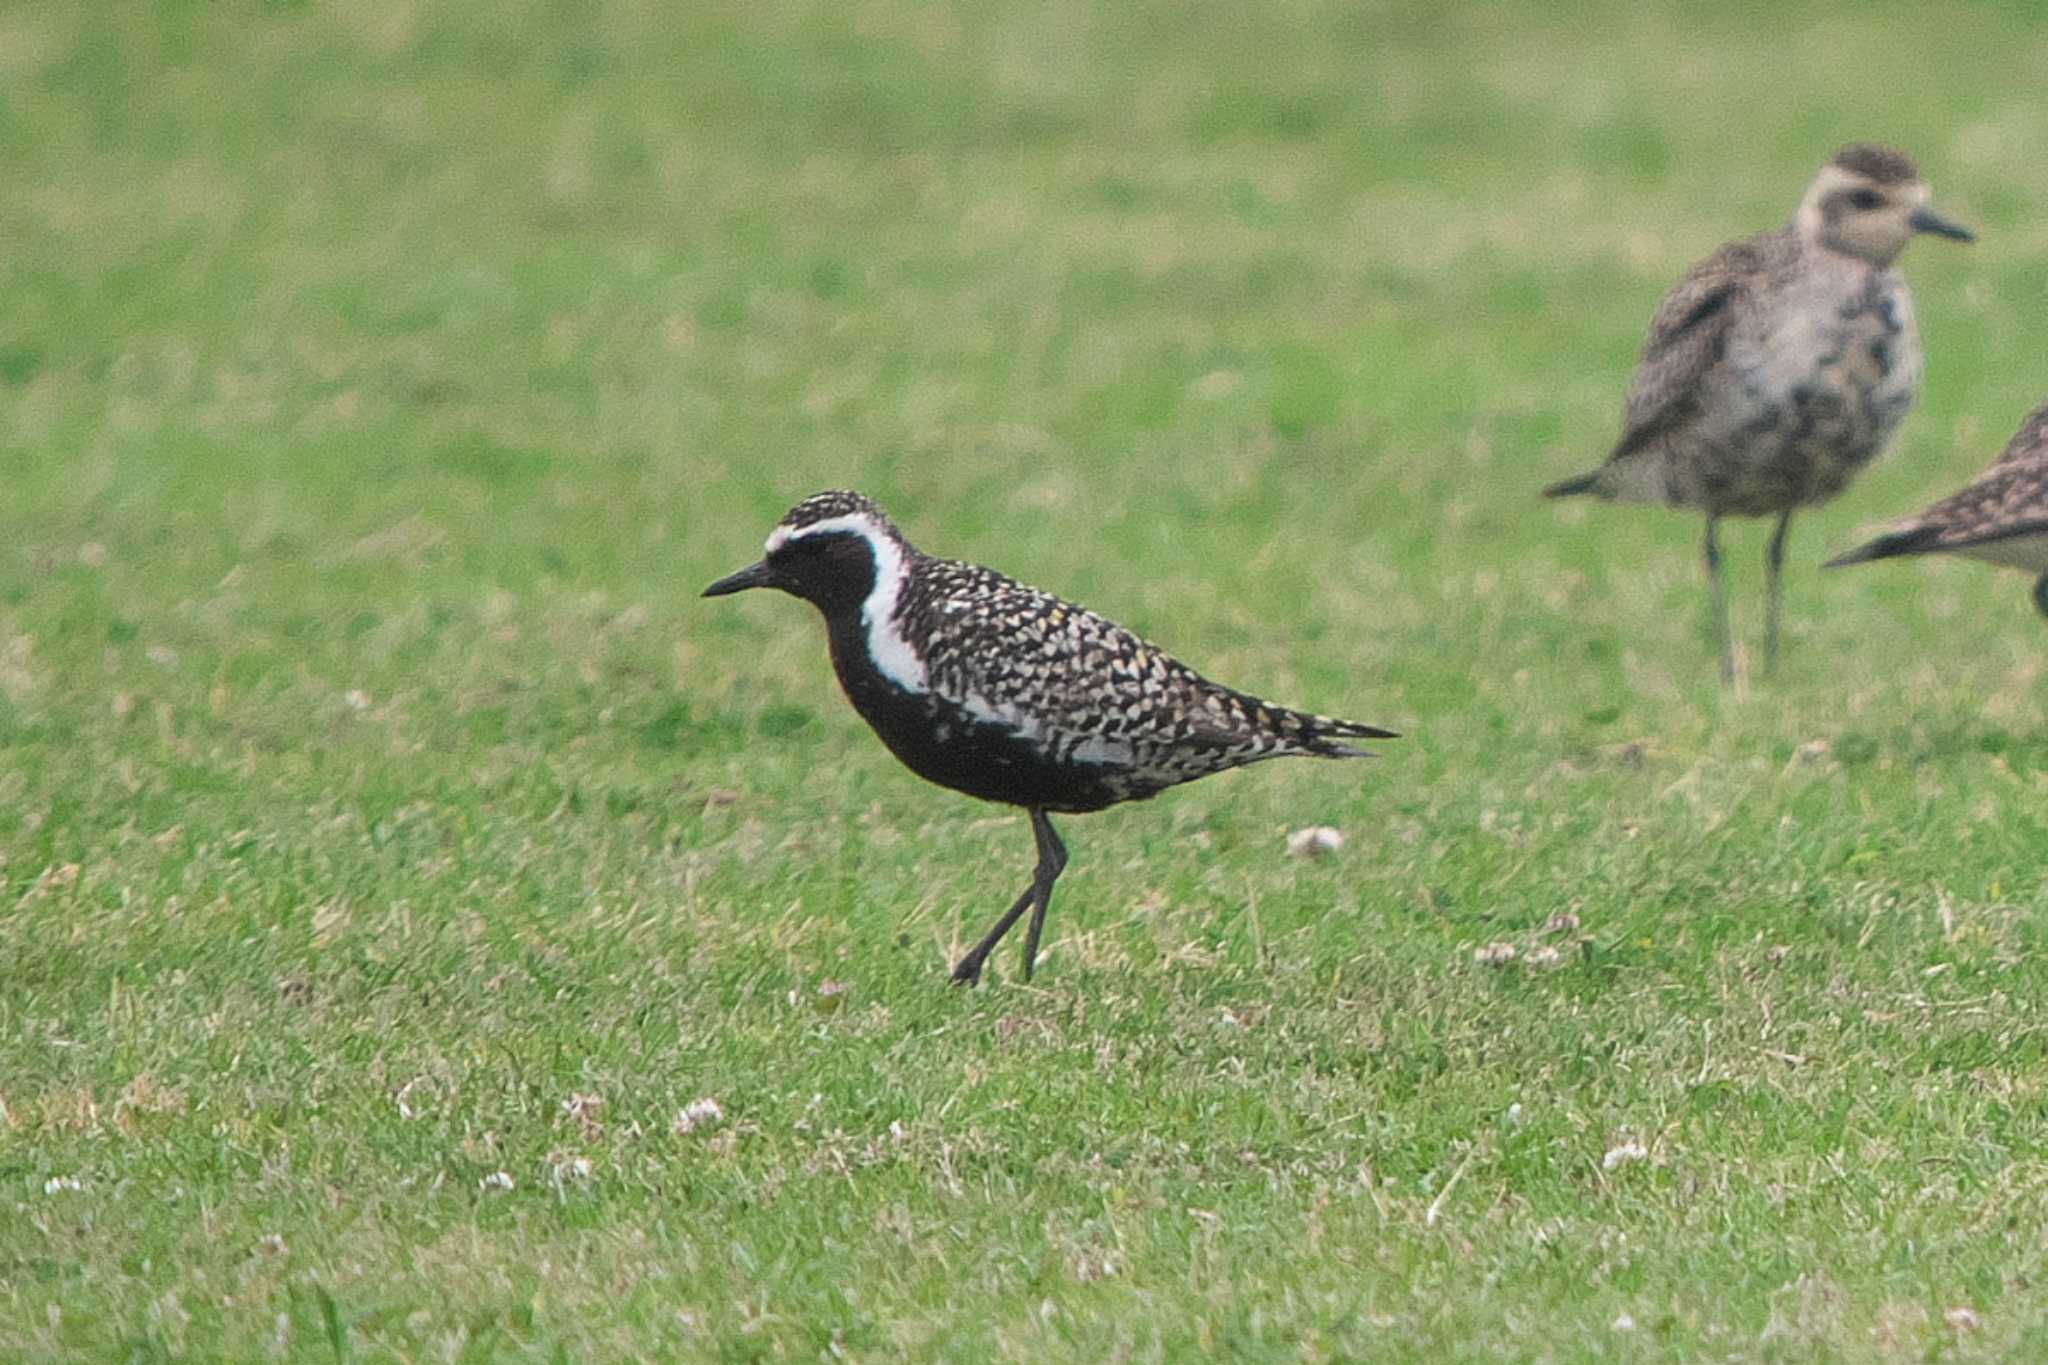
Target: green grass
378,385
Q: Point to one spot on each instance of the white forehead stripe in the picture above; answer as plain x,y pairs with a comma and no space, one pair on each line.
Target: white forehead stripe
860,522
892,654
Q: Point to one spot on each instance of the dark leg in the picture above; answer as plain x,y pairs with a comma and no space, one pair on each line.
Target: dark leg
969,970
1052,857
1774,589
2041,594
1720,598
1052,860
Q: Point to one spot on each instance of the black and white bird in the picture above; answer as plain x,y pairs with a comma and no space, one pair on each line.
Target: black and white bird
1779,366
979,683
2001,517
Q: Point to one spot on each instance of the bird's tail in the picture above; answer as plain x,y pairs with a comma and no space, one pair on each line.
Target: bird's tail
1912,540
1567,488
1320,735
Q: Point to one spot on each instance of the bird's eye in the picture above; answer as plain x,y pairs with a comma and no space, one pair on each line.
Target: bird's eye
1865,199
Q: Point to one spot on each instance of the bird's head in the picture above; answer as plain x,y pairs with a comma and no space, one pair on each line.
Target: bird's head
832,549
1868,202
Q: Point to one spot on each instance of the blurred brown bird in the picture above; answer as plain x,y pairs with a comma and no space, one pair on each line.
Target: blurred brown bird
2001,517
1778,367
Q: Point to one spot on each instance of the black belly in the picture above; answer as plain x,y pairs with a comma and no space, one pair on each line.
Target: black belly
942,743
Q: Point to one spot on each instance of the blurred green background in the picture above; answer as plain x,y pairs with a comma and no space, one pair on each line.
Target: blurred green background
380,382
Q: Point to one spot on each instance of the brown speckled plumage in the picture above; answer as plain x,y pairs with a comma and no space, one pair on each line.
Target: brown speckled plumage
2001,516
1779,367
980,683
1727,415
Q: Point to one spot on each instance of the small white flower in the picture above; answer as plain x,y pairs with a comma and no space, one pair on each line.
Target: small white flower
1624,1323
1623,1153
61,1184
1314,842
699,1113
1092,1267
897,1132
356,699
1515,1114
497,1182
566,1166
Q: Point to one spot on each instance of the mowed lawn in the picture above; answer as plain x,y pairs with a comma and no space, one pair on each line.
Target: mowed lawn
395,850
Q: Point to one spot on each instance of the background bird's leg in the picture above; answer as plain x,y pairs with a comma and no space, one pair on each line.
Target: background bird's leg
1720,598
1774,588
1052,860
2041,594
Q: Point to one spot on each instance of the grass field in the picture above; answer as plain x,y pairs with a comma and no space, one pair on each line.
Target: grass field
381,810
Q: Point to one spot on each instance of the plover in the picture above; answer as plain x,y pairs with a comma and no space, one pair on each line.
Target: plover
2001,517
979,683
1779,366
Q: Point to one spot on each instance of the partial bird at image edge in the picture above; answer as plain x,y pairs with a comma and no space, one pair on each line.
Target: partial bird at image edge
2000,517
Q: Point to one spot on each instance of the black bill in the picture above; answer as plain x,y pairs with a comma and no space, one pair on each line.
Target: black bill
753,576
1927,220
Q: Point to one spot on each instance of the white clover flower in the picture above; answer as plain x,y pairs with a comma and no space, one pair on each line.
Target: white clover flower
1623,1153
1314,841
699,1113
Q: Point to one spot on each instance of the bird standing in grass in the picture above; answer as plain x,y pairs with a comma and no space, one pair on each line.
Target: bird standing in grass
2001,517
1778,367
979,683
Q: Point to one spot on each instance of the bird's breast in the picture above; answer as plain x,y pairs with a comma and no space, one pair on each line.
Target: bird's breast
973,746
1820,383
1848,341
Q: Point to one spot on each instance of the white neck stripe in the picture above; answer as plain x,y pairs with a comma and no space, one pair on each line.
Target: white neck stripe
891,653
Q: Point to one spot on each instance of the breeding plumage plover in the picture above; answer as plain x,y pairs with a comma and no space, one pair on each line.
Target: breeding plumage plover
1779,366
2001,517
979,683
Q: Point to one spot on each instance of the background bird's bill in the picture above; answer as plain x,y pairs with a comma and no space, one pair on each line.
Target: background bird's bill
1927,220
